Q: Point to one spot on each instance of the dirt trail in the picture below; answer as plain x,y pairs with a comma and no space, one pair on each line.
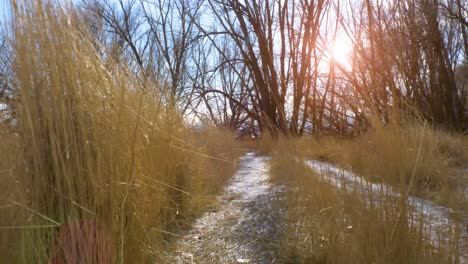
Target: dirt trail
245,228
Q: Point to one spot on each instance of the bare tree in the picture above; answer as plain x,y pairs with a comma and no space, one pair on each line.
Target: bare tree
406,51
265,64
172,37
6,80
278,44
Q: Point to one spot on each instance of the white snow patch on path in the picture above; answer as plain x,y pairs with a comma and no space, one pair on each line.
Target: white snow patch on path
245,228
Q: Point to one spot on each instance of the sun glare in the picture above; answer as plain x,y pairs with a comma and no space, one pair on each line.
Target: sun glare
341,50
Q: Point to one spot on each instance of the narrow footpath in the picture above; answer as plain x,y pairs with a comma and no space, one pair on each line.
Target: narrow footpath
245,228
249,219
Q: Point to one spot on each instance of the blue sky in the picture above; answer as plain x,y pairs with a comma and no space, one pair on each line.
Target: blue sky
4,6
4,10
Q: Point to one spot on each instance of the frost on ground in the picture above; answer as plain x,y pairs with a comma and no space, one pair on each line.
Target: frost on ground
245,228
435,218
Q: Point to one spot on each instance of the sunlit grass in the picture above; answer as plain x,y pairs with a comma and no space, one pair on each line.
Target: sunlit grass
388,154
326,224
104,165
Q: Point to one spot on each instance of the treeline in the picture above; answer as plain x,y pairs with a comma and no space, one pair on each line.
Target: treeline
265,65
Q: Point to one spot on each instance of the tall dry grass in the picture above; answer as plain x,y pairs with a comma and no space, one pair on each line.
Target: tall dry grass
387,153
8,191
330,225
325,224
104,167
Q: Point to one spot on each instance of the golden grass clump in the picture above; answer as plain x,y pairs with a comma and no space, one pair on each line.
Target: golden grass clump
388,153
104,166
214,153
325,224
8,190
265,143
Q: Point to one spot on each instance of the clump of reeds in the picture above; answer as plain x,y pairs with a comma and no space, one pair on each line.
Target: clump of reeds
325,224
388,153
105,165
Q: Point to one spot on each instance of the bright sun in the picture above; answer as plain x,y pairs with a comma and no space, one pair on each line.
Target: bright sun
340,51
